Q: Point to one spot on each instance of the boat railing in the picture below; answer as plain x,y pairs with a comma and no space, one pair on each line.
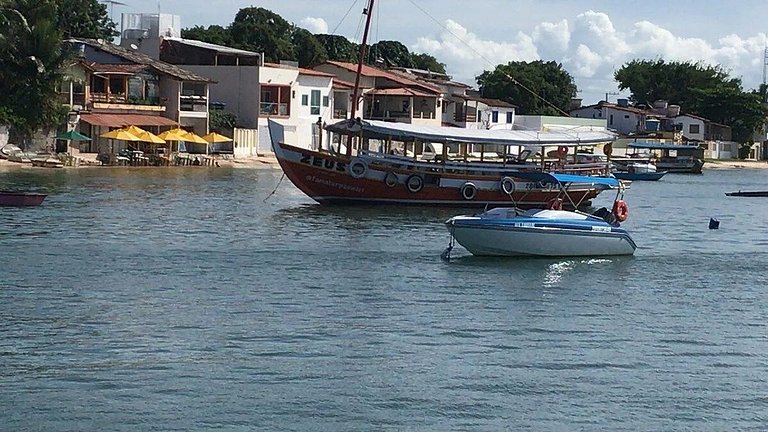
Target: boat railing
477,167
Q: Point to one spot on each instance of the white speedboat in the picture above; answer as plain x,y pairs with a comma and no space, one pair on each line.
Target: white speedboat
510,231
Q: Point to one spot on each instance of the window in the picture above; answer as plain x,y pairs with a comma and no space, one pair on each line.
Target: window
626,116
610,121
694,128
509,116
494,116
304,100
314,104
275,100
326,101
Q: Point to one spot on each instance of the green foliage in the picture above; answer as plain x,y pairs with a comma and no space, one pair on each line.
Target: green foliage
260,30
391,53
85,19
214,34
512,82
222,121
339,48
427,62
699,89
310,52
31,61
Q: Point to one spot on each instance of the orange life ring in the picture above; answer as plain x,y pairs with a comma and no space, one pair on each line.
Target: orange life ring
555,204
620,210
562,151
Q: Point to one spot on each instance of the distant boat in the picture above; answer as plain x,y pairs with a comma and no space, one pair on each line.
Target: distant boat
21,199
748,194
685,159
640,171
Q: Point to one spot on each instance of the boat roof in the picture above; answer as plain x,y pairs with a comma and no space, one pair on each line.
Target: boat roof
440,134
565,179
661,146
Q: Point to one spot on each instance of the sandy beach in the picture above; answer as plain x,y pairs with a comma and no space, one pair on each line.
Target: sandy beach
269,162
254,162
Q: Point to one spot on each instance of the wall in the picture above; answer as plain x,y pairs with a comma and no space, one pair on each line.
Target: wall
236,86
304,118
687,122
170,90
246,142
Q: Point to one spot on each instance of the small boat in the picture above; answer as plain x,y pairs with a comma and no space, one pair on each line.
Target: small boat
674,158
510,231
640,171
748,194
47,162
21,199
8,150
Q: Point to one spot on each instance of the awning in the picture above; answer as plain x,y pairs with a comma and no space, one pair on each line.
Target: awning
122,120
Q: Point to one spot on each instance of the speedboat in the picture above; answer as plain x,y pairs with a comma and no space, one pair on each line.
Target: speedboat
510,231
640,171
21,199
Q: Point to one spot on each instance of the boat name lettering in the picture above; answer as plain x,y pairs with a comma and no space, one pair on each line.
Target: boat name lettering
524,225
530,186
320,162
601,228
334,184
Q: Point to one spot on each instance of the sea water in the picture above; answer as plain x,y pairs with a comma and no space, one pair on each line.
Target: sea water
181,299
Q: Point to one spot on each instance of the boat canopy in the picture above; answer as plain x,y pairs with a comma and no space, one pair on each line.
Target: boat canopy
510,137
661,146
564,179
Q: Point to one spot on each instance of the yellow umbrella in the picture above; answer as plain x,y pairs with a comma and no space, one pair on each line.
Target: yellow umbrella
193,137
120,134
173,135
214,137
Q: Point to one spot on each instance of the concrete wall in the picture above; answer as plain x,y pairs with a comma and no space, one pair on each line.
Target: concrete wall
687,122
170,89
305,119
236,86
246,142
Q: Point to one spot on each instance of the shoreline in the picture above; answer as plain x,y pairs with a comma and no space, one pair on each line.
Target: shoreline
270,162
246,162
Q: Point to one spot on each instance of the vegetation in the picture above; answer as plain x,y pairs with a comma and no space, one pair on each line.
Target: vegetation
31,60
85,19
699,89
222,121
537,88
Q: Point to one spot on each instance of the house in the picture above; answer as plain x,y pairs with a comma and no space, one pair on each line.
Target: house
390,96
620,117
297,98
110,87
236,86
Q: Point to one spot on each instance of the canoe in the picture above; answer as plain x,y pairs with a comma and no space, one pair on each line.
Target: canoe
21,199
748,194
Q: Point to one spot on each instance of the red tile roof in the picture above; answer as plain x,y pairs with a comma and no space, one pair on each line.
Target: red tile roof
311,72
374,72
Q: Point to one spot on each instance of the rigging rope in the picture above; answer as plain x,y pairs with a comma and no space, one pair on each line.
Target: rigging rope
275,190
514,81
344,17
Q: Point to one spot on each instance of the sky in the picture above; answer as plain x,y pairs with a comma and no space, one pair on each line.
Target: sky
591,39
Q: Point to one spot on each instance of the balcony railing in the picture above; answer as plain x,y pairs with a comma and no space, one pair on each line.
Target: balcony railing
123,99
339,113
193,103
465,117
274,108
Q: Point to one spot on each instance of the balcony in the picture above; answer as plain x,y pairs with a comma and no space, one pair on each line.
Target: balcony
121,101
193,106
274,109
461,117
339,113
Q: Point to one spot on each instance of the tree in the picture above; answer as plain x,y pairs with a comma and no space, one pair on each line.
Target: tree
222,121
31,59
391,53
309,50
427,62
537,88
260,30
214,34
339,48
84,19
699,89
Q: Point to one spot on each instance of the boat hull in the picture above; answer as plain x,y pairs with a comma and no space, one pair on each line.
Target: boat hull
749,194
543,239
21,199
640,176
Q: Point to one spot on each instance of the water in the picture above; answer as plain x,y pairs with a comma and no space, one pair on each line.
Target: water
178,299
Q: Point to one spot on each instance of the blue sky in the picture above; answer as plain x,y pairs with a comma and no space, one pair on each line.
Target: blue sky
590,38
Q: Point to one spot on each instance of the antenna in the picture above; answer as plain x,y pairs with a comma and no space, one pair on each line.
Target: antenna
609,94
765,63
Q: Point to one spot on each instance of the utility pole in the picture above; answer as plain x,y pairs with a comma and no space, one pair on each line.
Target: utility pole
609,94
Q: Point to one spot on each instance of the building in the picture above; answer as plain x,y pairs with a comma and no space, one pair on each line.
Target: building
620,117
390,96
110,87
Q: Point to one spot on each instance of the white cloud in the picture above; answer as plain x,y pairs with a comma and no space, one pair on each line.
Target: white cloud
315,25
592,49
467,55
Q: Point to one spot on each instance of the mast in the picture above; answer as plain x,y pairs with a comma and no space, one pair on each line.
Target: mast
356,92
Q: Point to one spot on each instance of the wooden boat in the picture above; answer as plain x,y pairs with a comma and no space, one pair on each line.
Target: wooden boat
640,171
380,177
753,194
47,162
21,199
8,150
674,158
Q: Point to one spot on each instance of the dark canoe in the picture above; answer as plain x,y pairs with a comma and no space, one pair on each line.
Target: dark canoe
748,194
642,176
21,199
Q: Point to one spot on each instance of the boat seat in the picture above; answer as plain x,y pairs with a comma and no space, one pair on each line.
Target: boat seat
606,215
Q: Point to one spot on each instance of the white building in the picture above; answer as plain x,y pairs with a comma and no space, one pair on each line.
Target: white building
621,117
